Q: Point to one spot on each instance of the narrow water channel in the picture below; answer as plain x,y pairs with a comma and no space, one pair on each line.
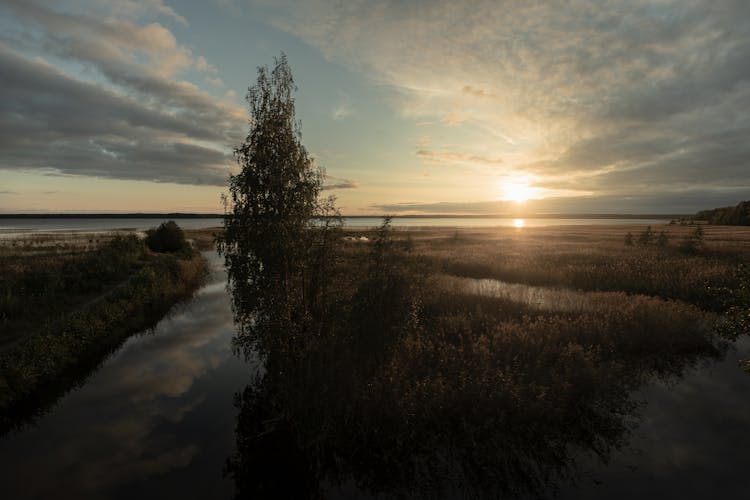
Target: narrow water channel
155,421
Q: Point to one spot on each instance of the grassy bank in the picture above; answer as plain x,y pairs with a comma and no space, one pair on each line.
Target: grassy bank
61,314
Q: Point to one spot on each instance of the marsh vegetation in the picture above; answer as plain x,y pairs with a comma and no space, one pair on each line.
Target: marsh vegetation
62,311
407,363
425,364
479,362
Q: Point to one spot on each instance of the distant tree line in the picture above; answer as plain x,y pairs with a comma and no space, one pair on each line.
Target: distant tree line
738,215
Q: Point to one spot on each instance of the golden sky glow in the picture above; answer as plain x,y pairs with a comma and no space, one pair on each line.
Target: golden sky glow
518,190
434,107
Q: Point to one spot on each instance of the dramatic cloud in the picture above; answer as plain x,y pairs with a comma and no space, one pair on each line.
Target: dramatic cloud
131,118
616,97
602,104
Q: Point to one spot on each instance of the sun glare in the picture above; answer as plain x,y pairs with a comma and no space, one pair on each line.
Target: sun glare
518,191
519,223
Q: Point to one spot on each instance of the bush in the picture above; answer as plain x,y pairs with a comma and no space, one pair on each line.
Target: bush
168,237
646,237
735,300
662,240
693,243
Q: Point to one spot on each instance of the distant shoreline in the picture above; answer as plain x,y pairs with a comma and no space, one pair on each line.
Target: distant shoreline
375,216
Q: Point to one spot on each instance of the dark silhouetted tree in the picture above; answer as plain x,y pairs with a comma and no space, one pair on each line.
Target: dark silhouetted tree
271,242
168,237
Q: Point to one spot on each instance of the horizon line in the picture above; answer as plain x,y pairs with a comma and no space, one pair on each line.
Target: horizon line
199,215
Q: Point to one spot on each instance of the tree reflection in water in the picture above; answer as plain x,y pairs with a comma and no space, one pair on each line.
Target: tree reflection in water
414,391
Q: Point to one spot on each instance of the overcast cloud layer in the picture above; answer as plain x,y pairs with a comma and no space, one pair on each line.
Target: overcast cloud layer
124,113
620,98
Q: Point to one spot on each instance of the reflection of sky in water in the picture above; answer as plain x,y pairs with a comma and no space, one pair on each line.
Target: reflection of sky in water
693,441
156,417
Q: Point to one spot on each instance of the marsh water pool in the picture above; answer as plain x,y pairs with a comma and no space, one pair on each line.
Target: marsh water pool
157,420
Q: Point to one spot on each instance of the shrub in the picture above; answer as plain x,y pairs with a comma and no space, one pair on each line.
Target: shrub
736,303
693,243
662,240
646,237
168,237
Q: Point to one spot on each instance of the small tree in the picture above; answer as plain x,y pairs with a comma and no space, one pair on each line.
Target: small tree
646,237
168,237
693,242
662,240
270,236
629,239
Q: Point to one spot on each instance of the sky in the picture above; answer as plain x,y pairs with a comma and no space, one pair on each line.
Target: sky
472,107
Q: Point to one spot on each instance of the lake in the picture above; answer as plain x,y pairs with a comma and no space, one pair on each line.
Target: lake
11,226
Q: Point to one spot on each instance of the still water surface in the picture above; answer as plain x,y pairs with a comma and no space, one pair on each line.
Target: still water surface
693,441
157,421
32,225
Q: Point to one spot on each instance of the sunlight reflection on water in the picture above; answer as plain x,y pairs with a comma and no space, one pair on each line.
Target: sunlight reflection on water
538,297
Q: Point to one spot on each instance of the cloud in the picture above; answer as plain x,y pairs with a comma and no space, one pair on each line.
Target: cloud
141,122
468,89
452,119
679,202
343,109
619,96
339,183
454,158
137,8
216,82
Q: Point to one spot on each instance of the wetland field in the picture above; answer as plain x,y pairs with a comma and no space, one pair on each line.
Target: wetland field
441,362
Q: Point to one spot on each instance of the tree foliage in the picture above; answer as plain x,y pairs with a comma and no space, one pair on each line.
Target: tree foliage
693,242
168,237
271,243
738,215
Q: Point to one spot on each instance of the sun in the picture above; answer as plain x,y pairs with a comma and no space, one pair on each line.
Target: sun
518,191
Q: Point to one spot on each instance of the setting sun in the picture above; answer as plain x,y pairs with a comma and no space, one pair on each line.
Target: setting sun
518,191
